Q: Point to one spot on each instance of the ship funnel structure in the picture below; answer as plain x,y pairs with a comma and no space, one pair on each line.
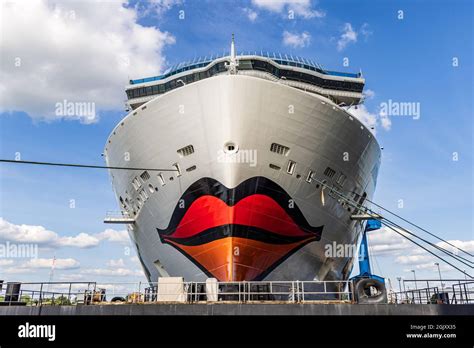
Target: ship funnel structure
234,63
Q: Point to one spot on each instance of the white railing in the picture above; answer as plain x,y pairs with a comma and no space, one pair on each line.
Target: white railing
76,293
90,293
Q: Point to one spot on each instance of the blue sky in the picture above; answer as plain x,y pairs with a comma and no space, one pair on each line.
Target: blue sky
89,50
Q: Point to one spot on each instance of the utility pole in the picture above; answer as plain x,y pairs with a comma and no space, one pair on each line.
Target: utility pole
51,273
414,277
399,284
439,272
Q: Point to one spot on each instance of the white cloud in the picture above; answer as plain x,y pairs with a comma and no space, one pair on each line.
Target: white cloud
74,277
364,31
114,236
42,236
251,14
296,40
385,121
387,243
117,272
75,51
369,119
116,263
6,262
25,233
365,116
82,240
300,8
348,36
464,245
47,263
369,94
158,7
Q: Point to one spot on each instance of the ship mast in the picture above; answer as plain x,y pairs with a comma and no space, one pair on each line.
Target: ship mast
234,63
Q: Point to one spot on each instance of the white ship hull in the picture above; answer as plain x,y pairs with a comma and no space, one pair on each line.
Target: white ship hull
224,220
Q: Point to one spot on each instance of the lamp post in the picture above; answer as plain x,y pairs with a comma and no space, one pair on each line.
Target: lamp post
400,288
414,277
440,279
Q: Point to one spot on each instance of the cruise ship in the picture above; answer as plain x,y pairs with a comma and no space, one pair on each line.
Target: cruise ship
240,157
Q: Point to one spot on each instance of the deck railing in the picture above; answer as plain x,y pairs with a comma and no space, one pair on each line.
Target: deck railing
89,293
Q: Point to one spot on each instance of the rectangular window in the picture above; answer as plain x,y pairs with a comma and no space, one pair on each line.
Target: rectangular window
145,176
136,183
186,151
341,180
290,169
329,172
279,149
178,169
162,179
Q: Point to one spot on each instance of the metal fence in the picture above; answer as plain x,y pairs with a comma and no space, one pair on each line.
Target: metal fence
431,291
90,293
87,293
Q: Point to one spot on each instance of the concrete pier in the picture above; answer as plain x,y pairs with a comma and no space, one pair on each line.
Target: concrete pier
242,309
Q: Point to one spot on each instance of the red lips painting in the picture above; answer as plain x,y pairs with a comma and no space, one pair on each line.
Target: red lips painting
238,234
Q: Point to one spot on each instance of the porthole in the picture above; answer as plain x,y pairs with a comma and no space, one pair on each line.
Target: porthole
230,148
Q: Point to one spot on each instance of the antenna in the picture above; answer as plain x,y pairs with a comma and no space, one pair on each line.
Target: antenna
232,48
